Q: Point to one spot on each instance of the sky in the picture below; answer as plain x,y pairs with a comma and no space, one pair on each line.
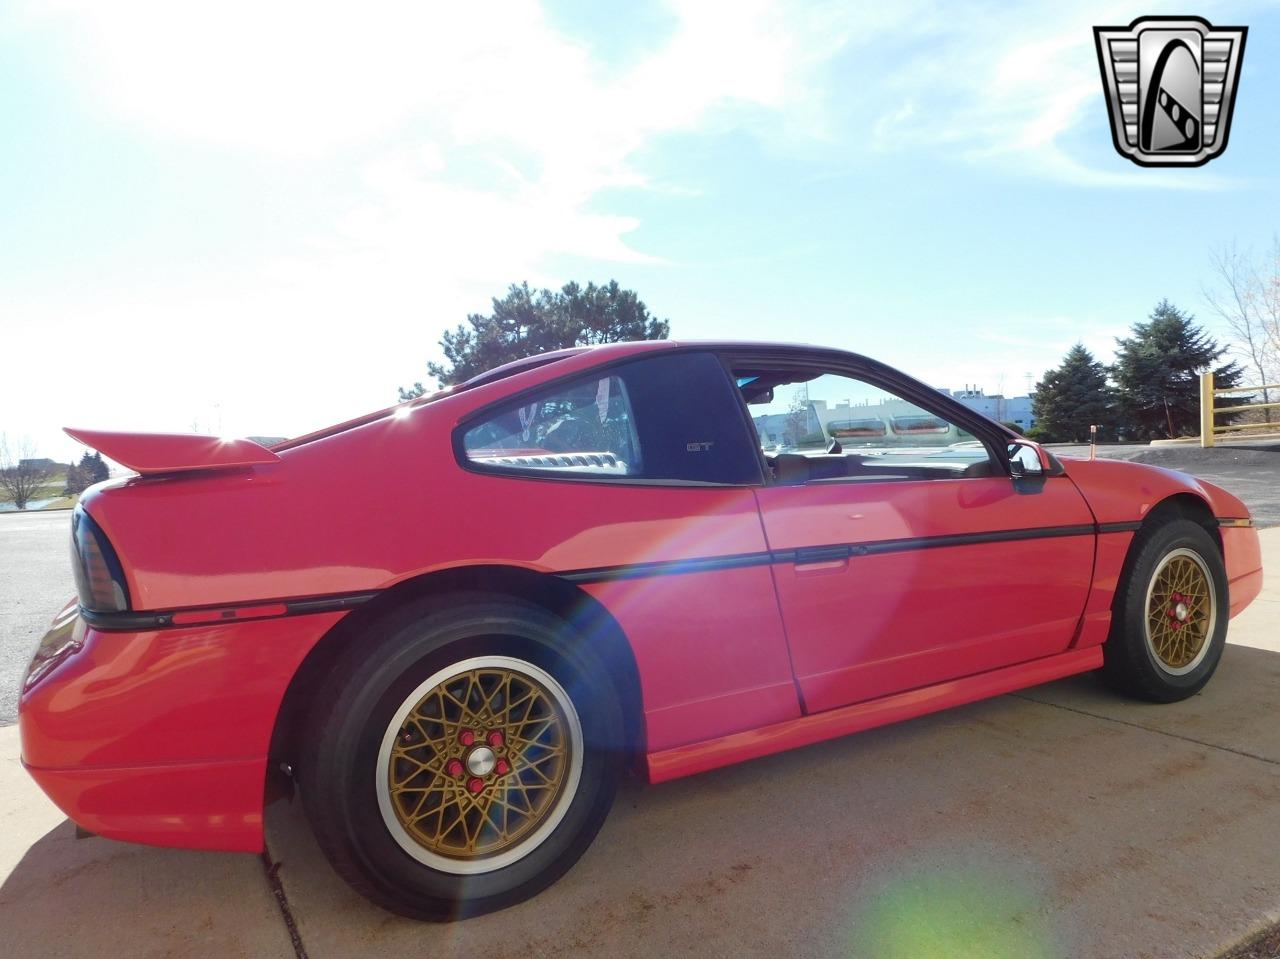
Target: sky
258,218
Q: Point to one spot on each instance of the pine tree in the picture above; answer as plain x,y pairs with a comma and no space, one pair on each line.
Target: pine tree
92,468
1072,397
1157,374
76,481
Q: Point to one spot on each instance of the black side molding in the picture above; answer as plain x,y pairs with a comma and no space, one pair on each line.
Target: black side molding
242,612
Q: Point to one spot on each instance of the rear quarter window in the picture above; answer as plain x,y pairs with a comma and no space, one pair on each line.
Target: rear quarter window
671,418
586,428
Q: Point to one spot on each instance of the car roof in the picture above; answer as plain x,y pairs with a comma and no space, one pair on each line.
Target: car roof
590,354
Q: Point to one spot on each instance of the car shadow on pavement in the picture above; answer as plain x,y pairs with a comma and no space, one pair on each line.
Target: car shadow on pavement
70,897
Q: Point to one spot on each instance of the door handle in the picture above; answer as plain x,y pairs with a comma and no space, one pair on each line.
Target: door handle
821,554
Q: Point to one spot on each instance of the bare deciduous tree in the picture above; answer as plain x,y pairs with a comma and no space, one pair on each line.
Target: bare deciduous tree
20,476
1245,293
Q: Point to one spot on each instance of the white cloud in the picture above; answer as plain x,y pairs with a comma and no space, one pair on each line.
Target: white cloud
480,141
404,86
1006,85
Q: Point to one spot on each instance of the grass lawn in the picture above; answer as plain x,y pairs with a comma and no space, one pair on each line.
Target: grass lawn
51,489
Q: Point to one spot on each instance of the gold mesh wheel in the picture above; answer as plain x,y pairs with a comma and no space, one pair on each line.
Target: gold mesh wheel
479,764
1181,612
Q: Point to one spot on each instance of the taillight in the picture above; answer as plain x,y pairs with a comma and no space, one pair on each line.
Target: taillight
99,578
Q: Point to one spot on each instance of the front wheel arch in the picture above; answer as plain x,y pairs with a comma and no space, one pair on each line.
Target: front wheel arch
1130,663
1184,506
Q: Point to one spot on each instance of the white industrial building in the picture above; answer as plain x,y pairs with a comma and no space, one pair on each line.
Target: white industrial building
997,406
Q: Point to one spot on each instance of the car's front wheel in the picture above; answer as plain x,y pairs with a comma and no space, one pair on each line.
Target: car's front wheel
462,758
1170,616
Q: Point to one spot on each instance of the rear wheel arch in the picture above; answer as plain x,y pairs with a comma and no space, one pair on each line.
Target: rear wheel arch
583,612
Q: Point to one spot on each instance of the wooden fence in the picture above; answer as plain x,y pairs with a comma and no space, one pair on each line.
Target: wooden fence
1262,421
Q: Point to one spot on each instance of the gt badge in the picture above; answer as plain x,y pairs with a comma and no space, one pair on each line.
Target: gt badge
1170,84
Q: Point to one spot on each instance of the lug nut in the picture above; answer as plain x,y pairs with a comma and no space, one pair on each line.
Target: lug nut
495,739
475,784
502,768
454,768
466,737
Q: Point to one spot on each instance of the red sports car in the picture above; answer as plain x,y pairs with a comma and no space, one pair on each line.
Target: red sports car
455,623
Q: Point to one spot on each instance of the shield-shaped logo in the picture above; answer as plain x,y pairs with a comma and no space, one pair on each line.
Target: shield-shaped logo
1170,84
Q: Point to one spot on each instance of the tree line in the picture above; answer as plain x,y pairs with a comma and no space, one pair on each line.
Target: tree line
1151,391
24,476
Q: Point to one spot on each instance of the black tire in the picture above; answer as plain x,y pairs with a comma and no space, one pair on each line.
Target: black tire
1131,663
350,722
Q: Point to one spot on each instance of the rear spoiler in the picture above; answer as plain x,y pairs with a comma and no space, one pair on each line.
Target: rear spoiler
173,452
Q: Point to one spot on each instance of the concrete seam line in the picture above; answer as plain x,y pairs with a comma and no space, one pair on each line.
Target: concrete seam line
1148,729
271,869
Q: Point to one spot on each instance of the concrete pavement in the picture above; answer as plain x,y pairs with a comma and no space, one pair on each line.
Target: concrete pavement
68,897
1060,821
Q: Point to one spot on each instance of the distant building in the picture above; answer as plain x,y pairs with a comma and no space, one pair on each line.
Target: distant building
890,418
997,406
44,463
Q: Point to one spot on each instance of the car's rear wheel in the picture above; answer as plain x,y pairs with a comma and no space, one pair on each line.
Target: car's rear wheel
1170,616
462,758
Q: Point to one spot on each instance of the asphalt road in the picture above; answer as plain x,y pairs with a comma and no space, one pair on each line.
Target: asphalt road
35,582
1250,469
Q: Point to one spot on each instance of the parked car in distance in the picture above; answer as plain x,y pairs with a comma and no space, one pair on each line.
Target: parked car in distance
454,624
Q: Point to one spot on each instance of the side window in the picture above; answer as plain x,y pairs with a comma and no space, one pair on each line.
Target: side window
585,428
815,426
671,416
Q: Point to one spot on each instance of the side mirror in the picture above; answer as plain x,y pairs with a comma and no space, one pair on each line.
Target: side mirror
1025,460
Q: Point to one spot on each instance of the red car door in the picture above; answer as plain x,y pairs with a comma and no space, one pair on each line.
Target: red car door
906,556
636,483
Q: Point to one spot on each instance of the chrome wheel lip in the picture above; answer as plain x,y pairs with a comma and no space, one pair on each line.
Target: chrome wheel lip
553,816
1212,616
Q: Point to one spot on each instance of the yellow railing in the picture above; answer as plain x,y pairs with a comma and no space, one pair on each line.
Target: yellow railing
1209,431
